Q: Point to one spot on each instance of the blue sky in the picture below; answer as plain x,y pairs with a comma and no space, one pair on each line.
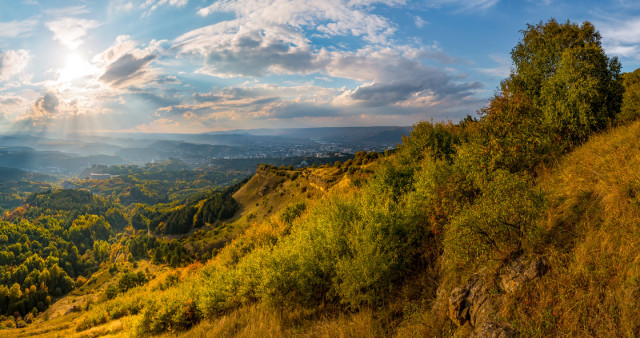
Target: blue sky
193,66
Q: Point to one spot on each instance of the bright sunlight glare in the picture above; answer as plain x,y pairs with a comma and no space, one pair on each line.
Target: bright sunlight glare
75,67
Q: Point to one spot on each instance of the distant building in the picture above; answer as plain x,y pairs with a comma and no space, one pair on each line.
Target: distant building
304,164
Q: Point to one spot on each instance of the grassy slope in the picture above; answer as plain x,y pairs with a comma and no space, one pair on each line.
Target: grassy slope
591,238
256,208
62,318
592,242
590,235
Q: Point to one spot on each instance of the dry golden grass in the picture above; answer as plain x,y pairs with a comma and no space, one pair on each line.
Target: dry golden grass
592,242
263,321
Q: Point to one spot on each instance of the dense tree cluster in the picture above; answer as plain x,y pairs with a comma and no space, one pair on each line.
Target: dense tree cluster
55,239
16,185
157,183
196,213
562,88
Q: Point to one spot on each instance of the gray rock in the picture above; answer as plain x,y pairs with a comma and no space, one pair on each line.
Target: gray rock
458,309
471,303
521,271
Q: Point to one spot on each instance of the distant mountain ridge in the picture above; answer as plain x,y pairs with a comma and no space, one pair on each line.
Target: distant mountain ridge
52,154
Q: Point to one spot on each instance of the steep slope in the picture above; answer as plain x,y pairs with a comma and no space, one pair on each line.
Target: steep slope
268,203
591,242
579,274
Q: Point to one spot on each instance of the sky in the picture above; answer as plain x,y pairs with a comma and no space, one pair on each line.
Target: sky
192,66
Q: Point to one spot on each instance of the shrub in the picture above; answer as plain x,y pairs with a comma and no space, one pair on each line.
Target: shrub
9,324
169,311
630,109
111,291
495,226
292,212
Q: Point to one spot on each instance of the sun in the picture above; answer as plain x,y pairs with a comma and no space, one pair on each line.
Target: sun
76,67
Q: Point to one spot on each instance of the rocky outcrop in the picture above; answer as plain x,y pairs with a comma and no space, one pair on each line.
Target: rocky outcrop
520,271
473,303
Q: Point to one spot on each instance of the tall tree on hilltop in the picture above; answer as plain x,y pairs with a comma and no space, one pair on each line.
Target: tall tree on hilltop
562,88
565,73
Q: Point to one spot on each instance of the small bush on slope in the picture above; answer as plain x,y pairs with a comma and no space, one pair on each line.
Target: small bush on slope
498,224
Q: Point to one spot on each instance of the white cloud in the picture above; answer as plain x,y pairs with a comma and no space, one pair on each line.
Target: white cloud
621,36
13,62
465,5
70,31
230,51
621,31
152,5
68,11
14,29
337,17
269,38
503,68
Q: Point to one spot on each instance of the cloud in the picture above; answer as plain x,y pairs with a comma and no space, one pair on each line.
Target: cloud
503,68
10,101
13,29
331,18
124,69
126,64
621,36
391,78
271,38
419,21
152,5
46,105
68,11
13,62
376,94
250,51
292,109
70,31
468,5
207,97
257,102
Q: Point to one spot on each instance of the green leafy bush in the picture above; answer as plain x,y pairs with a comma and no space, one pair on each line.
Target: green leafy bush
499,223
